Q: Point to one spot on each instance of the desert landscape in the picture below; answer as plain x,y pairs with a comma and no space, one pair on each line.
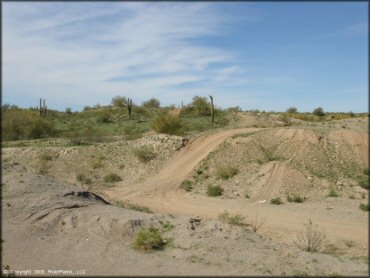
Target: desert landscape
184,138
232,200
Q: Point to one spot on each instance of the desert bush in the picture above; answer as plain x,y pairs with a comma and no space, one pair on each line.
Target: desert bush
152,103
214,190
295,198
318,112
285,119
276,201
105,116
201,105
292,109
46,157
125,205
167,123
186,185
333,193
258,223
236,219
119,101
311,238
149,239
112,177
364,207
226,171
81,177
68,110
18,124
145,154
363,181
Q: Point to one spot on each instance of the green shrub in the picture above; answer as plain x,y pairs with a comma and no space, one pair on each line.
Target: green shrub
292,110
226,171
119,101
333,193
295,198
145,154
366,171
167,123
364,182
152,103
364,207
149,239
276,201
214,191
236,219
318,112
105,116
83,178
186,185
201,105
112,177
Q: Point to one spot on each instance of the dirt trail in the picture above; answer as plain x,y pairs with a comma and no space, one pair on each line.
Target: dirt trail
161,193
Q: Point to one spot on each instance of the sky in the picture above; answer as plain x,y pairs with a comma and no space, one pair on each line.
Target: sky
266,56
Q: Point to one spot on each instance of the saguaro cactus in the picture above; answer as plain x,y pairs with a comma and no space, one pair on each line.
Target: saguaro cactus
43,108
129,107
212,110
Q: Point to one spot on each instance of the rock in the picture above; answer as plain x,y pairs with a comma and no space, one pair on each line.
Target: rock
310,178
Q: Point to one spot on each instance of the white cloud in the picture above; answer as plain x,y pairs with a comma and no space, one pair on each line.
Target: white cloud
66,52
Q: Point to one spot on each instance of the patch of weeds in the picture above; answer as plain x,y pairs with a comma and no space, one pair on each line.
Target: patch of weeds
226,171
97,163
236,219
311,238
295,198
122,204
112,177
258,223
352,196
46,157
166,227
276,201
363,195
366,171
350,243
214,190
364,207
247,195
44,168
81,177
333,193
145,154
363,181
186,185
63,223
149,239
332,249
300,273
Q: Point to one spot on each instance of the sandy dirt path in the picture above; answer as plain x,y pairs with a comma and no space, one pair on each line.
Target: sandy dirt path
161,193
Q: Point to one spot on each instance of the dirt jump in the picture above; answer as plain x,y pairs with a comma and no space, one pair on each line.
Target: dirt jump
161,193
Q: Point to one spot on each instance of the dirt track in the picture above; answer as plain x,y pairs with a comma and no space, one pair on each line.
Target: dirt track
162,194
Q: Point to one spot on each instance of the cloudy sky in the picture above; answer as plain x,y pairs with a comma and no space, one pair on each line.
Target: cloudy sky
267,56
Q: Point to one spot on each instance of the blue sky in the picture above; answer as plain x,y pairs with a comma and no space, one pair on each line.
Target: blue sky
266,56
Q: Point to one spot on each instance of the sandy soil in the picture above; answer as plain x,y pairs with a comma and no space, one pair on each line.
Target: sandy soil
84,233
60,227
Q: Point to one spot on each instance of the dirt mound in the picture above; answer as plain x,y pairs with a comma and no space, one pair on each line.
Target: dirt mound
77,230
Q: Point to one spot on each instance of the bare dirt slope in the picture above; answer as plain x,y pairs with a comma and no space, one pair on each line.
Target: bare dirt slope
162,194
52,225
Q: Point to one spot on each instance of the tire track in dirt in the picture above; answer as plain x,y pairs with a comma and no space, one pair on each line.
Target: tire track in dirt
161,193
